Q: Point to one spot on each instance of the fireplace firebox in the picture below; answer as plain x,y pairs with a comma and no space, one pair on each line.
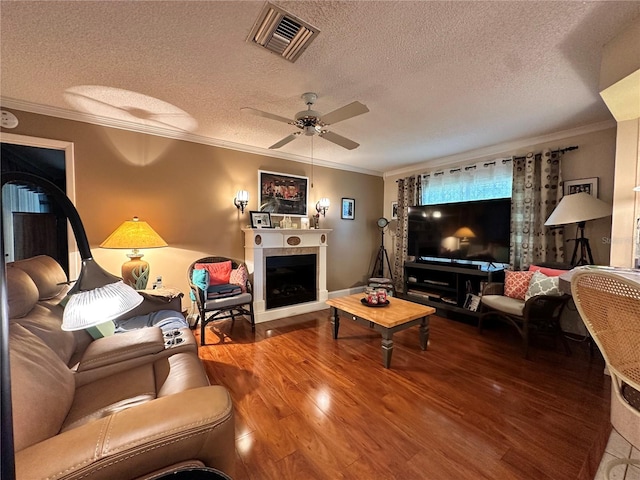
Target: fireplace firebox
262,243
290,280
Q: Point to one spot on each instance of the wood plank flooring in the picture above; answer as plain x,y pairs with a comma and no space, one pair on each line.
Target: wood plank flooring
469,407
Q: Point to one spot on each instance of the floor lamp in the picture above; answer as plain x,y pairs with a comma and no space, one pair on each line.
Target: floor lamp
378,266
97,297
579,208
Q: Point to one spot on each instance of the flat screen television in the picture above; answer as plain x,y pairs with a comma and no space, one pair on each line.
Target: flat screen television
466,233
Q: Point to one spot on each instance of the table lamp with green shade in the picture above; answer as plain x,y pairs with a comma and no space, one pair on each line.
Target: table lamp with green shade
134,234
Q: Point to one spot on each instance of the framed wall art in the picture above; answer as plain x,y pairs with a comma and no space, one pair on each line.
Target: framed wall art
283,194
587,185
394,210
348,211
260,219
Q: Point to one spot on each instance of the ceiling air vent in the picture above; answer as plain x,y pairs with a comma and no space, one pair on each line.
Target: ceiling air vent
282,33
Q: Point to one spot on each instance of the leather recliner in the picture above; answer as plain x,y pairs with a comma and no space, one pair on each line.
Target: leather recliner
132,405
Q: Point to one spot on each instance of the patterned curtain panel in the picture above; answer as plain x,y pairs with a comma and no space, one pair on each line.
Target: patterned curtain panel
536,192
409,194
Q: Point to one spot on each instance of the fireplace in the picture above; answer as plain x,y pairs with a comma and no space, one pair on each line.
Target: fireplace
290,280
295,258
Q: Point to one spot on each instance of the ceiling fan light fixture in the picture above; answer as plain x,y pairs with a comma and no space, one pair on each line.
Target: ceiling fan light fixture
308,115
311,122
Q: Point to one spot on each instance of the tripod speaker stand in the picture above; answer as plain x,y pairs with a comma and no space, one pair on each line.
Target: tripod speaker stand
378,266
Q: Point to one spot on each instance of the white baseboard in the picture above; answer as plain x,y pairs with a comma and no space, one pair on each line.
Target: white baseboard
346,291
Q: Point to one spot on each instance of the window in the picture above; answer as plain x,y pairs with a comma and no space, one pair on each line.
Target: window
482,181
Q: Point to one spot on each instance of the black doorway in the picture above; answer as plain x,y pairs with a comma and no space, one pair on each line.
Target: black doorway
39,228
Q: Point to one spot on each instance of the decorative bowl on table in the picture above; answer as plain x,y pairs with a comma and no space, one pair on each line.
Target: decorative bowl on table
377,304
375,297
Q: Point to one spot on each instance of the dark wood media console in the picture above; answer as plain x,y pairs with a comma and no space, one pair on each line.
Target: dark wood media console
445,286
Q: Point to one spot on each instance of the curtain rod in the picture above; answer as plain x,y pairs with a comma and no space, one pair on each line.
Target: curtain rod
560,150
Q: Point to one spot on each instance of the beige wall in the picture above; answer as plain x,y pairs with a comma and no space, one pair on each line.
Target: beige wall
185,191
595,157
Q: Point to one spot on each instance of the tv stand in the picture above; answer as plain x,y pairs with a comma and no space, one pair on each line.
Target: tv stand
445,286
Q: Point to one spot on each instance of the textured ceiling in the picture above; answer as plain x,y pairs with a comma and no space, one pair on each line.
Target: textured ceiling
439,78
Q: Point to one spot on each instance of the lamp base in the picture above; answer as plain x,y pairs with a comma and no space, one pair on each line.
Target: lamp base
135,272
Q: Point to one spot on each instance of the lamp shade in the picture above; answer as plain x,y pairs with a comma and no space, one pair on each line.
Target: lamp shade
324,202
134,234
242,196
97,297
464,232
577,208
103,304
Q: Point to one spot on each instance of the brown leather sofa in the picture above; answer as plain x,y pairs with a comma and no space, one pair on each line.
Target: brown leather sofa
132,405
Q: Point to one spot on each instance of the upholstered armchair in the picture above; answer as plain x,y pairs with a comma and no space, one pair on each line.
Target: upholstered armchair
539,313
218,300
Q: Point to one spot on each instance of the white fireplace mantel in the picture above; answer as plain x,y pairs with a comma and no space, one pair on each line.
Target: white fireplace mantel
260,243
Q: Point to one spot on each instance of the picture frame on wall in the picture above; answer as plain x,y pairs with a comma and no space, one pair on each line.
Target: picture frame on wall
394,210
283,194
348,210
587,185
260,219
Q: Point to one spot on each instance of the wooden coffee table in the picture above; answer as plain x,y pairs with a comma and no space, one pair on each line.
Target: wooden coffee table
398,315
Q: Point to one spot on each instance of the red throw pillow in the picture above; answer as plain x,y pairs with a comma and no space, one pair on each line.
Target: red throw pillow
219,273
549,272
516,284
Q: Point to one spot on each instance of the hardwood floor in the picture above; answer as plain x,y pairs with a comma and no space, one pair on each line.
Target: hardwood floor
469,407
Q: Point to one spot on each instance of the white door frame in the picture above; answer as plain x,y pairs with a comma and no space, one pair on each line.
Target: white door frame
69,163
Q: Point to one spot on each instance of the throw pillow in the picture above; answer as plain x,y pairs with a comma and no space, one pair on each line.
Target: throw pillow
200,278
542,285
516,284
549,272
240,276
219,272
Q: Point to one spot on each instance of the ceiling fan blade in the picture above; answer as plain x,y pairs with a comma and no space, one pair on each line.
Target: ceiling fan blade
339,140
348,111
284,141
260,113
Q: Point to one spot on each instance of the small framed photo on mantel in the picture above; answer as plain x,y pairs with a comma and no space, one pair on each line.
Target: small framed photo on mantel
260,219
586,185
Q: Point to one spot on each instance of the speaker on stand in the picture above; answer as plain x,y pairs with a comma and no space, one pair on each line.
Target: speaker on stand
377,278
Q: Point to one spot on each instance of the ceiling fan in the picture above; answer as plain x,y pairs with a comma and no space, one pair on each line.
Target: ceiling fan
311,122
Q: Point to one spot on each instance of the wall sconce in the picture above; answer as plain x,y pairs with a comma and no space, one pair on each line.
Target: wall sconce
323,205
241,200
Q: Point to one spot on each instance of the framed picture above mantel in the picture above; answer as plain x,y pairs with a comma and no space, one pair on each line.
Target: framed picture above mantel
283,194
